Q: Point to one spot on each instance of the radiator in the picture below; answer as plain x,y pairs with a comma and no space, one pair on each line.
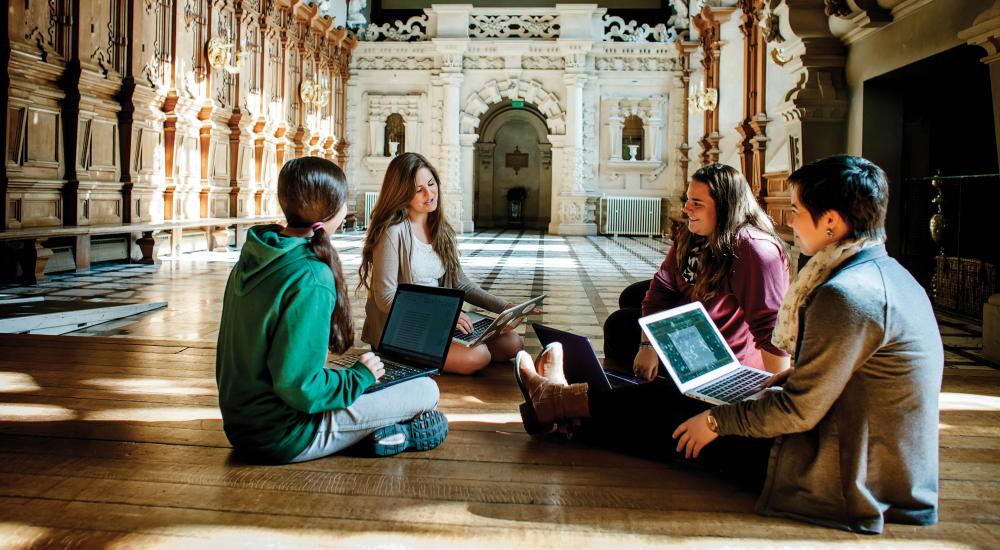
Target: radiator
370,198
630,216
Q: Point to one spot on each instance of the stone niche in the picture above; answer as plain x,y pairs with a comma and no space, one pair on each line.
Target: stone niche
408,107
622,118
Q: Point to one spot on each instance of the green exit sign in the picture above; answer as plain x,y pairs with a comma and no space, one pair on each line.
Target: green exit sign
517,103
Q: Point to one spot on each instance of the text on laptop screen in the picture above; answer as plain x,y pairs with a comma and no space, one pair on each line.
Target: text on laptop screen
691,344
420,325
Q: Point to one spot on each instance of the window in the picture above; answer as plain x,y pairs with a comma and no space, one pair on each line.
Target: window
632,135
395,131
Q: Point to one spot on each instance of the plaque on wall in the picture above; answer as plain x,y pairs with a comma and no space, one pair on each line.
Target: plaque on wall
516,160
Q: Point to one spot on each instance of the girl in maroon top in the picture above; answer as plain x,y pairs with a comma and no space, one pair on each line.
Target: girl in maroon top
729,258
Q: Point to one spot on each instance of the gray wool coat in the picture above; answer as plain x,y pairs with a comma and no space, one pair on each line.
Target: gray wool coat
856,424
391,266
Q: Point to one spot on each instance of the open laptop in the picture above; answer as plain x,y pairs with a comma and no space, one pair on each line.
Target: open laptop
580,361
485,327
698,358
417,334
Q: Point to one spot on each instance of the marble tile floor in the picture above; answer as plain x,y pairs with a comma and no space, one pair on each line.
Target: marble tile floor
581,275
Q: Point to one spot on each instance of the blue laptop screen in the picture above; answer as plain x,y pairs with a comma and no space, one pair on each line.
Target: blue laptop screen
691,344
420,326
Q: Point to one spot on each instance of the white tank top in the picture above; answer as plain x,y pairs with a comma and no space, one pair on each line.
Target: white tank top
425,264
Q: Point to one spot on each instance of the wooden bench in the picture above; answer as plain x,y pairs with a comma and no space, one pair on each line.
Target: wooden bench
31,254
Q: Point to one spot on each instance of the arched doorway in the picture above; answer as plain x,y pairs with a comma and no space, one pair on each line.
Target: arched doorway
513,151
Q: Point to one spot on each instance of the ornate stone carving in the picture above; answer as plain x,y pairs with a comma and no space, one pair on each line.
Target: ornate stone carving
543,63
511,26
643,63
838,8
483,63
414,29
617,30
378,63
573,209
530,91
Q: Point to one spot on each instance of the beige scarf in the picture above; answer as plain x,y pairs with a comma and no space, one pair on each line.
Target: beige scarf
815,273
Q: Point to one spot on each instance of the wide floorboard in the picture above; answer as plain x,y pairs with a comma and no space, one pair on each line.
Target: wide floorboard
117,442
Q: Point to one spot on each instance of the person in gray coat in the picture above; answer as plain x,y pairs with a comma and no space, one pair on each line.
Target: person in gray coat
851,439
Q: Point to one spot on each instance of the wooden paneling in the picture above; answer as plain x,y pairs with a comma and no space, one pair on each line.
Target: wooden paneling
118,97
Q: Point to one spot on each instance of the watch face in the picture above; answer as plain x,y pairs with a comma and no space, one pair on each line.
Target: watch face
712,424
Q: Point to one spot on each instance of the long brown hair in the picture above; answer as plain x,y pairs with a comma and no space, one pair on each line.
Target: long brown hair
735,208
310,190
398,188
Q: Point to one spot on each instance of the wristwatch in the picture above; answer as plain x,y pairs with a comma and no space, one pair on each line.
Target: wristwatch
712,424
645,345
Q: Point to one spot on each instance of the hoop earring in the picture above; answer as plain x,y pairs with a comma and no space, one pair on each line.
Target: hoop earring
829,232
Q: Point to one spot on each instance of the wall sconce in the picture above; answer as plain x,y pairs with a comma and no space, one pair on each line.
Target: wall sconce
311,94
702,100
220,53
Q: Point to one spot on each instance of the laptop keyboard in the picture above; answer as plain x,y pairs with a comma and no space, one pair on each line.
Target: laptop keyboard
478,328
736,387
393,370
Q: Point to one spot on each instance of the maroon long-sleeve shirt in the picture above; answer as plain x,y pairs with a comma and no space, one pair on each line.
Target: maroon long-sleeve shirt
746,309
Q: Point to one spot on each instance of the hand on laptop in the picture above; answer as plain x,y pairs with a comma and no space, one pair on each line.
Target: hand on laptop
373,364
646,364
778,379
464,324
514,325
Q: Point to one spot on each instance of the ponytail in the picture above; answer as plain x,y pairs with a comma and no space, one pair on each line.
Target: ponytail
341,323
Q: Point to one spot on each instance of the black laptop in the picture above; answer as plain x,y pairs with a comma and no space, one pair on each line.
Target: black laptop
417,334
580,361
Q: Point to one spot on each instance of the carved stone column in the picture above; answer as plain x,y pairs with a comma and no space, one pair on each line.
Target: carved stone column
451,154
571,217
985,32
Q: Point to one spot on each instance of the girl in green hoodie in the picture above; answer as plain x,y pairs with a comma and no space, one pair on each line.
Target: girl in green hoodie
285,305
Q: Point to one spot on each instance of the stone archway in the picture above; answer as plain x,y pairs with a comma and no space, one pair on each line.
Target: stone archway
488,100
513,150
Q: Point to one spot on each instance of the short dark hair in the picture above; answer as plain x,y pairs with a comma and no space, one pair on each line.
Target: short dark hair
854,187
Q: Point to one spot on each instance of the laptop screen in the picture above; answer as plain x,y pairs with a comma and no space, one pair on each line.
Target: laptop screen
691,344
420,324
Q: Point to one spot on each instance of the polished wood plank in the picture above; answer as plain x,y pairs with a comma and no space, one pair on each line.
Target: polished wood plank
119,442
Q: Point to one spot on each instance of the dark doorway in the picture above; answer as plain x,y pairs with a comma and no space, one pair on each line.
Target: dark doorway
936,117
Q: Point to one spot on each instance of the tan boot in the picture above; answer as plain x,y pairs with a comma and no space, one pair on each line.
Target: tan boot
545,401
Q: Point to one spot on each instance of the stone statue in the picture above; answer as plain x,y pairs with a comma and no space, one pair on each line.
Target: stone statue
355,13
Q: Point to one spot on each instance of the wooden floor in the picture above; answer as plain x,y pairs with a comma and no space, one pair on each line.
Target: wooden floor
113,442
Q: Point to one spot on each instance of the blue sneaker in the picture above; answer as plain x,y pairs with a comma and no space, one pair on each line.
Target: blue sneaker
421,433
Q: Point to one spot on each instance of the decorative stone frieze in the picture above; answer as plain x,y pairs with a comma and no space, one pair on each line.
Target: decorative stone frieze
543,63
395,63
475,63
513,26
617,30
414,29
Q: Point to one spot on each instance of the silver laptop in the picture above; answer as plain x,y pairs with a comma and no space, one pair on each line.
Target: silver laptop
698,358
485,327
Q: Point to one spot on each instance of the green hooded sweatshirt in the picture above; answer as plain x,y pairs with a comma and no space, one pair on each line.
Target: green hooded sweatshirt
272,348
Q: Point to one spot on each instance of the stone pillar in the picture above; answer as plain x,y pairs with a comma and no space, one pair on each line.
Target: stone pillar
571,218
615,124
985,32
468,171
450,169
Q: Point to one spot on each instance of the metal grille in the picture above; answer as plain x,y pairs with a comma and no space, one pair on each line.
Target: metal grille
630,216
370,198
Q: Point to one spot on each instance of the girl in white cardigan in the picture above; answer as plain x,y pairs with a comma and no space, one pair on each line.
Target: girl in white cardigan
410,241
